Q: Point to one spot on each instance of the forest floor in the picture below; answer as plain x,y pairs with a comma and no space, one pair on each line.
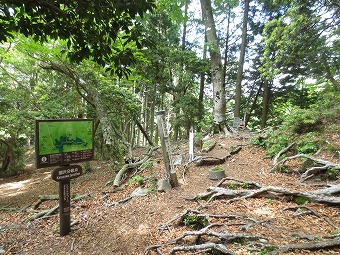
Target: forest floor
140,222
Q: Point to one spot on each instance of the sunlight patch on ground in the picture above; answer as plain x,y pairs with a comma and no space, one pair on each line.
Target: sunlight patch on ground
11,189
264,211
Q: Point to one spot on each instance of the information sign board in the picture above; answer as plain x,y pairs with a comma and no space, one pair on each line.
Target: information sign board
63,142
66,172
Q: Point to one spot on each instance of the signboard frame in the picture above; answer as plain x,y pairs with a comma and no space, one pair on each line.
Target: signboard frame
62,158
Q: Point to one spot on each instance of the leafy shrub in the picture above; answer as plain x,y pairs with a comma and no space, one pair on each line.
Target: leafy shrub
195,221
137,179
258,141
303,120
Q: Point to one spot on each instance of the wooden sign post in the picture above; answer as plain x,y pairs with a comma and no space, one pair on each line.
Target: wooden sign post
166,147
63,176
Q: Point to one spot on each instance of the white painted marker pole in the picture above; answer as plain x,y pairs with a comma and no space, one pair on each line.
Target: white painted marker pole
191,143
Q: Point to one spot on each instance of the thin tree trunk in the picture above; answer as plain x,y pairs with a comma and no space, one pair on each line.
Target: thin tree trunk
254,104
201,93
265,107
237,110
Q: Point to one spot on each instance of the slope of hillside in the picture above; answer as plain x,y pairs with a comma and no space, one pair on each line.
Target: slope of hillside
260,224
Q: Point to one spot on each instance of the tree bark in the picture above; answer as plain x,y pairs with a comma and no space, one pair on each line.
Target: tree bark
219,100
202,82
6,157
265,105
237,110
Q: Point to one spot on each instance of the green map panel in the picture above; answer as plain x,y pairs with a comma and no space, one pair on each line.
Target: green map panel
64,136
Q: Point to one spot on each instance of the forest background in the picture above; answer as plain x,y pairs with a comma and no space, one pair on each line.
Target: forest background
206,63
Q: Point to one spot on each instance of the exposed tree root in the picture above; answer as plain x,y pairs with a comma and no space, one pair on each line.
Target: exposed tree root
270,191
325,244
115,203
116,182
218,246
281,152
310,172
303,210
50,211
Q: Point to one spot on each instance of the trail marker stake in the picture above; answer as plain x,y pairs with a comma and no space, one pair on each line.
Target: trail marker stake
166,147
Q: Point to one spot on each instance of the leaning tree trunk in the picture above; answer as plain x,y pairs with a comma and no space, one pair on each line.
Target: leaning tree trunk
219,108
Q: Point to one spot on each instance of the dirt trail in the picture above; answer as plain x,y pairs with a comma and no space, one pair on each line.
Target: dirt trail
130,227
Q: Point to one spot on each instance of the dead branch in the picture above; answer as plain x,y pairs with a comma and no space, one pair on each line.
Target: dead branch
325,244
282,152
41,214
310,172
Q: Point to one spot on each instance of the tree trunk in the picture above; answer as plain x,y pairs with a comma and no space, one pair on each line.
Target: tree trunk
6,157
253,104
265,107
201,93
237,110
219,100
226,51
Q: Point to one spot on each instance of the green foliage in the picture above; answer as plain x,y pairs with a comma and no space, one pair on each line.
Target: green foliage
301,200
278,140
89,29
217,169
296,42
303,120
336,233
195,221
208,143
258,141
268,249
137,179
306,127
333,173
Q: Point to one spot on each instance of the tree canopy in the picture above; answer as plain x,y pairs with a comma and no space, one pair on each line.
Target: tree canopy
91,28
